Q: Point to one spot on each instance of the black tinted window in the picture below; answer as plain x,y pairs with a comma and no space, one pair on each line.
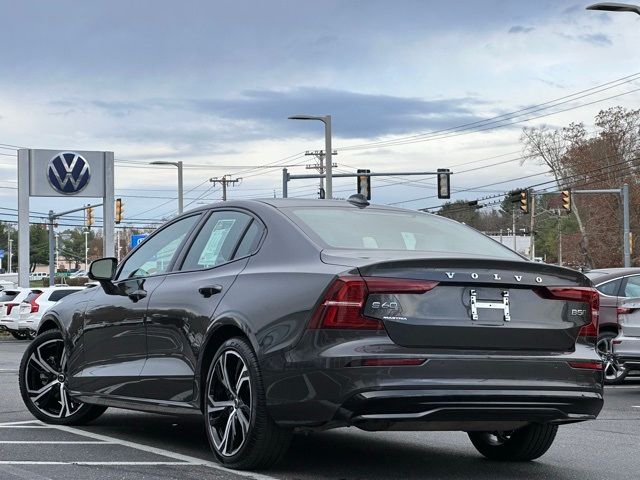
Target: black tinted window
60,294
8,295
217,240
250,240
610,288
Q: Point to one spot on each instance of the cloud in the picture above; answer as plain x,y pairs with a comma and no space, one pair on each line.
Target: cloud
596,39
257,114
520,29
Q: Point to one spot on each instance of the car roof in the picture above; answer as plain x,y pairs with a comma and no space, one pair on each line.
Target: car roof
293,202
601,275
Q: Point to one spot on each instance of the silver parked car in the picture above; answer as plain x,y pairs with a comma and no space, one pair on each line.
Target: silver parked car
626,346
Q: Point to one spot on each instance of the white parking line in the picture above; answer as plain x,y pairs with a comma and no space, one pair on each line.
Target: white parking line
22,422
25,462
54,442
24,426
181,459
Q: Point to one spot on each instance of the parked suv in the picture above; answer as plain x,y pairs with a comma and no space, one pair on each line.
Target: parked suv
10,300
626,346
615,285
37,303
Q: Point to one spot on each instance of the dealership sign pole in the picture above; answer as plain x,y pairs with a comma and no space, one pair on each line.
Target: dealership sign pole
66,173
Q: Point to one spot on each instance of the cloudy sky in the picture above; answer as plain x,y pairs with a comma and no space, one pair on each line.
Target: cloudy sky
211,83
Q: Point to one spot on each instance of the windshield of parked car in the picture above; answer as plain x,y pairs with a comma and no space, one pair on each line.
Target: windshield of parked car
8,295
367,229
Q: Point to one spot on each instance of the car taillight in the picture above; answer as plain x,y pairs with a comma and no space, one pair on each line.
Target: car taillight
34,306
10,307
577,294
344,300
586,365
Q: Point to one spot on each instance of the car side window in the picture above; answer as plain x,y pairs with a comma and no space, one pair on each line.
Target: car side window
216,242
610,288
60,294
154,256
632,287
250,241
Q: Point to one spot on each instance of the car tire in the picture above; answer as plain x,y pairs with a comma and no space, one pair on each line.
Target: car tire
19,335
43,384
522,445
240,431
613,372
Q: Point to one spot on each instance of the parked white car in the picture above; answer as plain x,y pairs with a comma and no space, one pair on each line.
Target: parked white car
10,300
626,346
79,273
37,302
37,276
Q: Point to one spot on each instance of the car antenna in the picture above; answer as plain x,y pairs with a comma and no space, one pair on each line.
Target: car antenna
358,200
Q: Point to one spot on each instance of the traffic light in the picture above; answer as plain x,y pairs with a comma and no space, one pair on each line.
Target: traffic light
364,184
119,210
566,200
89,219
524,201
444,187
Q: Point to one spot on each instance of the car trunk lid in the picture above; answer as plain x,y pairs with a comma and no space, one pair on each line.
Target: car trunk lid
478,303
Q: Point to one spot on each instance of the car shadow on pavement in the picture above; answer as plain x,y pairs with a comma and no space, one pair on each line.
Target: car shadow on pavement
343,453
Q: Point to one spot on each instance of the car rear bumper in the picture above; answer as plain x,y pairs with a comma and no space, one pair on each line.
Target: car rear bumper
449,391
627,350
8,324
467,409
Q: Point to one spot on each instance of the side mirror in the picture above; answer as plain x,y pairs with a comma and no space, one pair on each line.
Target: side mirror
103,269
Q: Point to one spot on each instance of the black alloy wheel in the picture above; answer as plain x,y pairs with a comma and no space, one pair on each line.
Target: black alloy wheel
43,383
240,431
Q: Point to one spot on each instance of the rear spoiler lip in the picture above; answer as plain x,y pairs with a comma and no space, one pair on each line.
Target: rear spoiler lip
401,264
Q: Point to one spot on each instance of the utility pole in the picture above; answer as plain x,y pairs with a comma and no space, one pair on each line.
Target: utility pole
224,181
10,261
513,232
559,239
532,243
57,253
118,245
86,250
320,166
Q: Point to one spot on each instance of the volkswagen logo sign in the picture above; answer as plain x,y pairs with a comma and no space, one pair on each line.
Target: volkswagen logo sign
68,173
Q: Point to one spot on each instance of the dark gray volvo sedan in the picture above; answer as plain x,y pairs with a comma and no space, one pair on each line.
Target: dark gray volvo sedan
276,316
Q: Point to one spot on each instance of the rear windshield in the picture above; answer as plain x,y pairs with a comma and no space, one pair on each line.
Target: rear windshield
32,296
60,294
8,295
393,230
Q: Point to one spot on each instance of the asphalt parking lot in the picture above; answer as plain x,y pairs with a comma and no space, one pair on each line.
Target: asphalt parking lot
131,445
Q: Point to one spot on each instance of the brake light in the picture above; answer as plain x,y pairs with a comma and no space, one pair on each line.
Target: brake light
586,365
34,306
577,294
343,302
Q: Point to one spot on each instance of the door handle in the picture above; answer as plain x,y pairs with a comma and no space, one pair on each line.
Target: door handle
209,290
137,295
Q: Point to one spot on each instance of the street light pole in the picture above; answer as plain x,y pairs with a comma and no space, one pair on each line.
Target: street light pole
10,241
180,184
326,119
86,251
